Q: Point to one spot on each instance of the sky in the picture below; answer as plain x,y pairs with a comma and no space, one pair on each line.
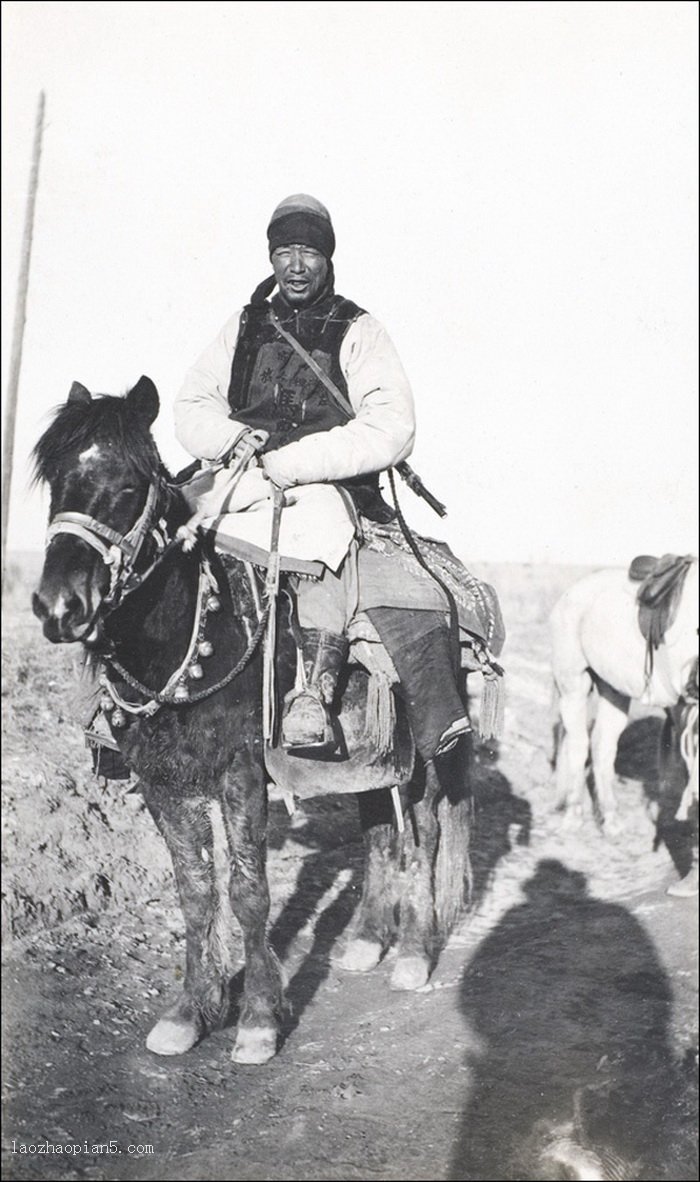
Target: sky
514,193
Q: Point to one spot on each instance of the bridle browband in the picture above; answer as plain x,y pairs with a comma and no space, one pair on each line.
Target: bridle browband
118,551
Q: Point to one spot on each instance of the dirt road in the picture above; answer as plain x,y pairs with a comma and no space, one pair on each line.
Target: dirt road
561,1017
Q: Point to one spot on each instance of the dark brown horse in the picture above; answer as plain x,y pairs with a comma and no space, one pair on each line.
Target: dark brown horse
178,636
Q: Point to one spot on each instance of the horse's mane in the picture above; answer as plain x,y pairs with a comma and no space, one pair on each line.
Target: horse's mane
78,425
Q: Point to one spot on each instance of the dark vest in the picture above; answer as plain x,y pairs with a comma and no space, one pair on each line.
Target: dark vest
273,389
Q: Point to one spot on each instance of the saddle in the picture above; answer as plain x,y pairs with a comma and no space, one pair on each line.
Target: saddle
661,586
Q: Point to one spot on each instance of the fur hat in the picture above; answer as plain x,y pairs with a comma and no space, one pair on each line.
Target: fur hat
303,220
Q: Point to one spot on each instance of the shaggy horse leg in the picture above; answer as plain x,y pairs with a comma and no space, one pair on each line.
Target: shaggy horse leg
573,752
374,925
668,752
452,875
610,721
187,830
245,818
417,921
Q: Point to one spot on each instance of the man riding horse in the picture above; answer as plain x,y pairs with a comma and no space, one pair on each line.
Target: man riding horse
271,386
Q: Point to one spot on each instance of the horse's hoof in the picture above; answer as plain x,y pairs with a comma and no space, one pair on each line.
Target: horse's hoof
573,1160
572,818
612,827
174,1035
255,1045
410,972
687,888
359,956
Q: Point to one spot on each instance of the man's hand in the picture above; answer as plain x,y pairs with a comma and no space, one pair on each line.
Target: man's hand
248,444
274,470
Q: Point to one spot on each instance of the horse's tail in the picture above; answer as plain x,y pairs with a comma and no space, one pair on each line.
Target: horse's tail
557,726
452,871
689,751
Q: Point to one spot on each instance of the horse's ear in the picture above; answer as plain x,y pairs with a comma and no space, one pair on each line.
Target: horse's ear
79,393
143,400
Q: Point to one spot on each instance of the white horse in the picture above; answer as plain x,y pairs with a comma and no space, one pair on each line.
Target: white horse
596,637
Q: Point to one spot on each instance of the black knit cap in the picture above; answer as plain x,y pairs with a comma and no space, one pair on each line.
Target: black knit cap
303,220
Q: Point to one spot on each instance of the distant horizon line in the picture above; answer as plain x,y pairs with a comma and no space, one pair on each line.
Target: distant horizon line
31,553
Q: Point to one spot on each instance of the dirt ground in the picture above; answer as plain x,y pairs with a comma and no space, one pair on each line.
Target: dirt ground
561,1017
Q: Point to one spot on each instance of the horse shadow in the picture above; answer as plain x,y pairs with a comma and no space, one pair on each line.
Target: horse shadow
567,1009
328,830
327,833
647,753
502,820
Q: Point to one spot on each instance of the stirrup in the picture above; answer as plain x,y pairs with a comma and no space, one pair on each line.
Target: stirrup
313,730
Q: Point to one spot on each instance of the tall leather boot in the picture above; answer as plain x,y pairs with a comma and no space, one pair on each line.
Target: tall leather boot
306,721
418,643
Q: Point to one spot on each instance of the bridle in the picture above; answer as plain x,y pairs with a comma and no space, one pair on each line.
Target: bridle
119,552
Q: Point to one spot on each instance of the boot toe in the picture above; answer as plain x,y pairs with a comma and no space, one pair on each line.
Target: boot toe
305,723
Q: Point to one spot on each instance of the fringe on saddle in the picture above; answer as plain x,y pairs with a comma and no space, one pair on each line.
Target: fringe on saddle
380,718
367,650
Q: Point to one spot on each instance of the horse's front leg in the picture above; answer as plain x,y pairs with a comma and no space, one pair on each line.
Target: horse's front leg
245,818
186,827
374,924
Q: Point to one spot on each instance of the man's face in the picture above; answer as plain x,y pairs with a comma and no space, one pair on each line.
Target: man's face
301,272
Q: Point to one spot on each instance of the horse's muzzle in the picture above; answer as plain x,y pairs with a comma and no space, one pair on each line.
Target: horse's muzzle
64,619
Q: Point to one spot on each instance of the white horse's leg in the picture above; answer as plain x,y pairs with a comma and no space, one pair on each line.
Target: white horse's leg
610,721
573,751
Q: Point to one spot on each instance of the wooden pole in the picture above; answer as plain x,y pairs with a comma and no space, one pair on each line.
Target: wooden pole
18,332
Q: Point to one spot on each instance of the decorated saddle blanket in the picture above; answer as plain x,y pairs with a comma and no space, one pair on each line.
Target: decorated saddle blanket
390,575
319,528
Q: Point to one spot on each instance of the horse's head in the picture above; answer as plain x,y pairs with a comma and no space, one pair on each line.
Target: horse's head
102,468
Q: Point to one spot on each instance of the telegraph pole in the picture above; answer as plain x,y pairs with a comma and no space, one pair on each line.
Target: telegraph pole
18,332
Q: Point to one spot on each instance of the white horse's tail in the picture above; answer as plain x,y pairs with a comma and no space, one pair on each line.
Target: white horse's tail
557,726
689,751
